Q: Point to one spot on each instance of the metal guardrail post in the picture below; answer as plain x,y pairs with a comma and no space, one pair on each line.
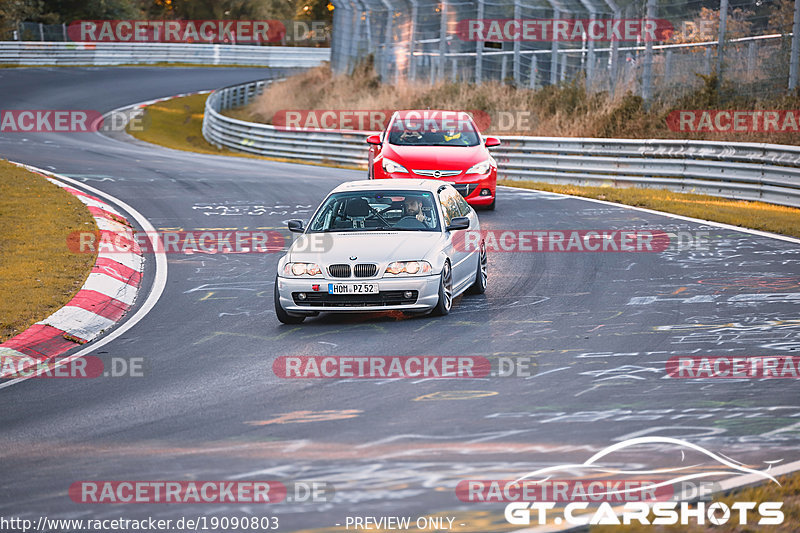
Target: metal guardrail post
517,47
723,25
387,56
590,44
647,74
412,30
442,39
668,65
353,35
794,67
613,67
554,53
479,49
340,43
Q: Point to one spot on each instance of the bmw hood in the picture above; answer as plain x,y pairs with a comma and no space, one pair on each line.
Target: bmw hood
365,246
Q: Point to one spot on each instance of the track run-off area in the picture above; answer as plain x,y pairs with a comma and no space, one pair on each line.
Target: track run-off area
598,329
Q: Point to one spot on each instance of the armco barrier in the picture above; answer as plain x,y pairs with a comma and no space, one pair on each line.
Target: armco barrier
59,53
746,171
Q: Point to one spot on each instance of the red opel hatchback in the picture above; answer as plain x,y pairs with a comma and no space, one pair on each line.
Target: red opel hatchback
442,145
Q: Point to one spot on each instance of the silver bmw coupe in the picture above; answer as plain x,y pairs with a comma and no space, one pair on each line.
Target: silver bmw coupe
409,245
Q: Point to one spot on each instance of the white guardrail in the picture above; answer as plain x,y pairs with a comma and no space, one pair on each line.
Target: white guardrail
60,53
744,171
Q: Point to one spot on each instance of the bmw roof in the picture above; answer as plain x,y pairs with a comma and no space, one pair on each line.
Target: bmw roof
392,184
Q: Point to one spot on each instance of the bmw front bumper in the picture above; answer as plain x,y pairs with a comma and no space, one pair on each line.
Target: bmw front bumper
424,295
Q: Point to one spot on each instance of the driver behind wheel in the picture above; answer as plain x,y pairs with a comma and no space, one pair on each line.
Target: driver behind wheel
412,207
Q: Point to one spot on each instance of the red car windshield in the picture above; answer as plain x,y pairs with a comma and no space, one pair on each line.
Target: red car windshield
433,131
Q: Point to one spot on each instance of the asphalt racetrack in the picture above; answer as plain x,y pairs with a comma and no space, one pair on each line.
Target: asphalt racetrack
598,328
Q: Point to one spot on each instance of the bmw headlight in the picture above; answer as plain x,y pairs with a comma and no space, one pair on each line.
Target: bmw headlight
480,168
302,269
391,166
410,268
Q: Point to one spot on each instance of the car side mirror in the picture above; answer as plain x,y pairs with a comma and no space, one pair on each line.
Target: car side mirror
374,139
458,223
296,226
492,141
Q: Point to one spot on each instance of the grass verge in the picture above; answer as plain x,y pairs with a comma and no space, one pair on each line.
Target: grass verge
754,215
788,493
178,124
38,273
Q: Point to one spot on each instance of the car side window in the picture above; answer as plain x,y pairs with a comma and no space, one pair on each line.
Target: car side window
445,211
463,206
450,204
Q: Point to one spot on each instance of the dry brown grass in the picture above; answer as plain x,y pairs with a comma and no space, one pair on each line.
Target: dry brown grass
562,111
38,273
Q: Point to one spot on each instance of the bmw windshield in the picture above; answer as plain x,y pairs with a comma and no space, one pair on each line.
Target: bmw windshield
376,211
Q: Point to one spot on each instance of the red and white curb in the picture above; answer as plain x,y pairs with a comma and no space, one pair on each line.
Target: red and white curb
108,293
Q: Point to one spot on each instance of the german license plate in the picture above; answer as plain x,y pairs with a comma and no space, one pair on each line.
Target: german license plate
353,288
